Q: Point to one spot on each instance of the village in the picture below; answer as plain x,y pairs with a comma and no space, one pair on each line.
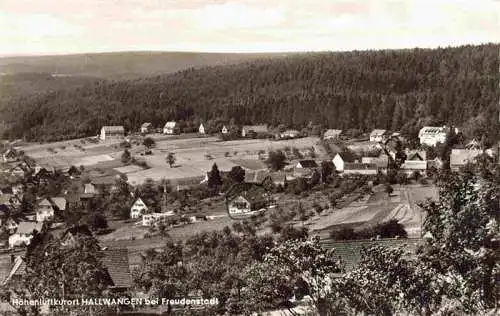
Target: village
166,183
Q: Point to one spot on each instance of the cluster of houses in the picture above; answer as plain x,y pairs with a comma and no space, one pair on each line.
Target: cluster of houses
173,128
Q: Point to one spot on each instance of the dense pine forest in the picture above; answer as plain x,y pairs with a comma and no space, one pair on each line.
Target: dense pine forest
392,89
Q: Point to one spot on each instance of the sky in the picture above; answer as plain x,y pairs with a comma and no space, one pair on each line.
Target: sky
31,27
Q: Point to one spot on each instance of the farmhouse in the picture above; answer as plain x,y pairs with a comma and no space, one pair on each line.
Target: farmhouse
44,211
378,135
382,162
277,178
460,157
246,203
341,158
112,132
146,128
201,129
410,166
306,164
116,262
154,218
290,133
360,168
332,134
224,130
431,135
171,128
24,233
257,129
138,208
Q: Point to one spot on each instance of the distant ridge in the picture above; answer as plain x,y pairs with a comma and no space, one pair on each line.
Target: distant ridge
123,65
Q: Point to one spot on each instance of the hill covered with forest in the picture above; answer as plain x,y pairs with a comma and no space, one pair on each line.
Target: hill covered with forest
392,89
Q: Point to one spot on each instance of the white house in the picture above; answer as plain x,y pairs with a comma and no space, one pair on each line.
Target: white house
108,132
224,130
290,133
201,129
239,206
378,135
431,135
146,127
340,159
332,134
138,208
24,233
460,157
171,128
153,218
44,211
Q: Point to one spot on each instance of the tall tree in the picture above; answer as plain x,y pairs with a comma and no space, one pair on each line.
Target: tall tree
214,178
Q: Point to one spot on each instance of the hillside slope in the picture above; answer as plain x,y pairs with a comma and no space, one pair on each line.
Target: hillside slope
121,65
396,89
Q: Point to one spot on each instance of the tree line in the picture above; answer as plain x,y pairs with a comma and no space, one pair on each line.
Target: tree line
391,89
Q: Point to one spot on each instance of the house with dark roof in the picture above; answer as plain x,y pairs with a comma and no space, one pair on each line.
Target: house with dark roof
247,130
68,237
261,176
146,128
246,199
110,132
341,159
306,164
116,262
360,168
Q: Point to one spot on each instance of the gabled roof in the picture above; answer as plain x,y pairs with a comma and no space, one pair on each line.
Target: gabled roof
347,156
359,166
29,227
416,155
147,124
89,188
250,164
170,124
60,203
18,269
114,129
249,191
44,202
378,132
139,200
308,163
256,128
460,157
117,264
